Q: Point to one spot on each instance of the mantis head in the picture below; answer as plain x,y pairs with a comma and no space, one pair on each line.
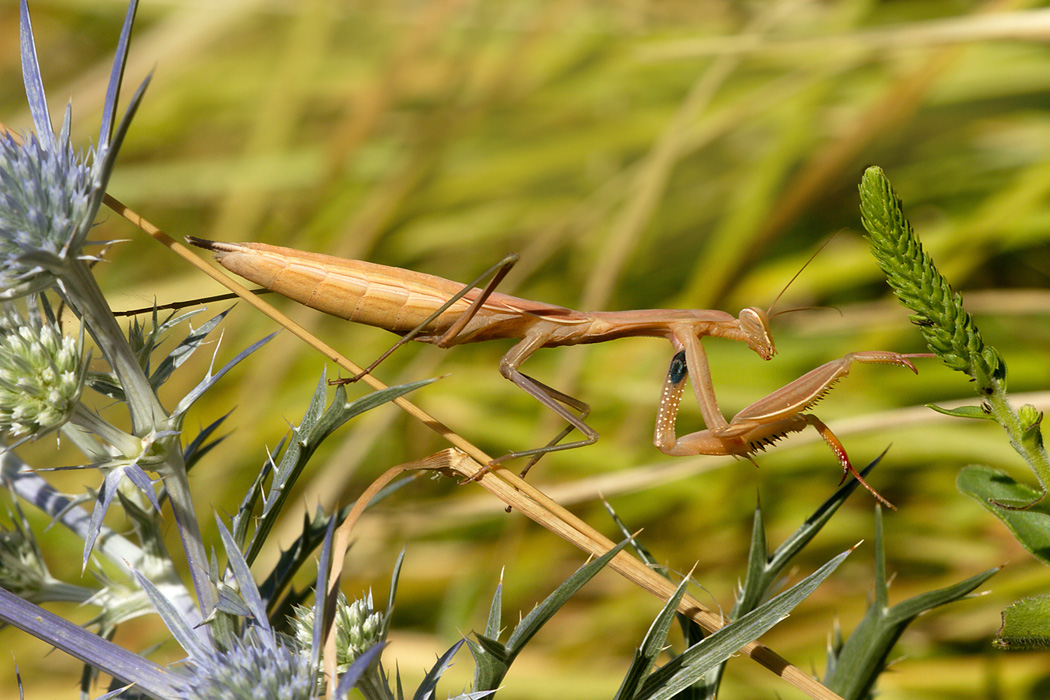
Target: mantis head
754,324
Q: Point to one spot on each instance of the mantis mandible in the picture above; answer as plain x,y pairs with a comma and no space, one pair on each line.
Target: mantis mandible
435,310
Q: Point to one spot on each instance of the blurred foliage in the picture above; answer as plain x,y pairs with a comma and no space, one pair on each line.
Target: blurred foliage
671,154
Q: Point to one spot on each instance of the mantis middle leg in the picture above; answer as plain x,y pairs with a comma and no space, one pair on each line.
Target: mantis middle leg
555,400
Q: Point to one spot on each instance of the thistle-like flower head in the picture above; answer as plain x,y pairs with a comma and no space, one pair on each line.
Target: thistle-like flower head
251,669
42,372
44,201
22,568
50,193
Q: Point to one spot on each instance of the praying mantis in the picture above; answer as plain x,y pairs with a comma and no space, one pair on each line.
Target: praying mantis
435,310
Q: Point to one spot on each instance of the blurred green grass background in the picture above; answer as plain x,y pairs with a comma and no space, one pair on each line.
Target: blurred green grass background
662,154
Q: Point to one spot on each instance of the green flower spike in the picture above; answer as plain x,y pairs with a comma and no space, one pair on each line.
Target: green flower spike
948,328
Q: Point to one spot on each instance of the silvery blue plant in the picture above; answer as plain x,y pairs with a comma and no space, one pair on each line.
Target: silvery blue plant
50,194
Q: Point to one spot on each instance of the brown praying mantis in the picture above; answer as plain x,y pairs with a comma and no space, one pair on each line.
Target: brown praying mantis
435,310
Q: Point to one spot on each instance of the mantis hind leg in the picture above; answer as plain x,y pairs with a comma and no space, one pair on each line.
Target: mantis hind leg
497,271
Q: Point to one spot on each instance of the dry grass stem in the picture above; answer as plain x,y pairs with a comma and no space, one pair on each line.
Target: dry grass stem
467,461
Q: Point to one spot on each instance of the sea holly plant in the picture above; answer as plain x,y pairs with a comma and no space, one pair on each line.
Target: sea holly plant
50,194
952,334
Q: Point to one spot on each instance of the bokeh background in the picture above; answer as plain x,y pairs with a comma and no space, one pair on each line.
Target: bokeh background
636,154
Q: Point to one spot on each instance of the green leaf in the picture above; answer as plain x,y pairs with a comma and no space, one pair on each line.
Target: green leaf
857,664
652,646
1031,419
963,412
493,647
492,625
493,659
755,582
427,688
1030,526
388,614
1026,624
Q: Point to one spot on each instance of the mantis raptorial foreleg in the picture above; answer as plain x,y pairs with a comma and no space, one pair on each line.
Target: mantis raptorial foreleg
764,421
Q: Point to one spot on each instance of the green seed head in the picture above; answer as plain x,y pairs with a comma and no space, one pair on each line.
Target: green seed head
41,374
358,628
